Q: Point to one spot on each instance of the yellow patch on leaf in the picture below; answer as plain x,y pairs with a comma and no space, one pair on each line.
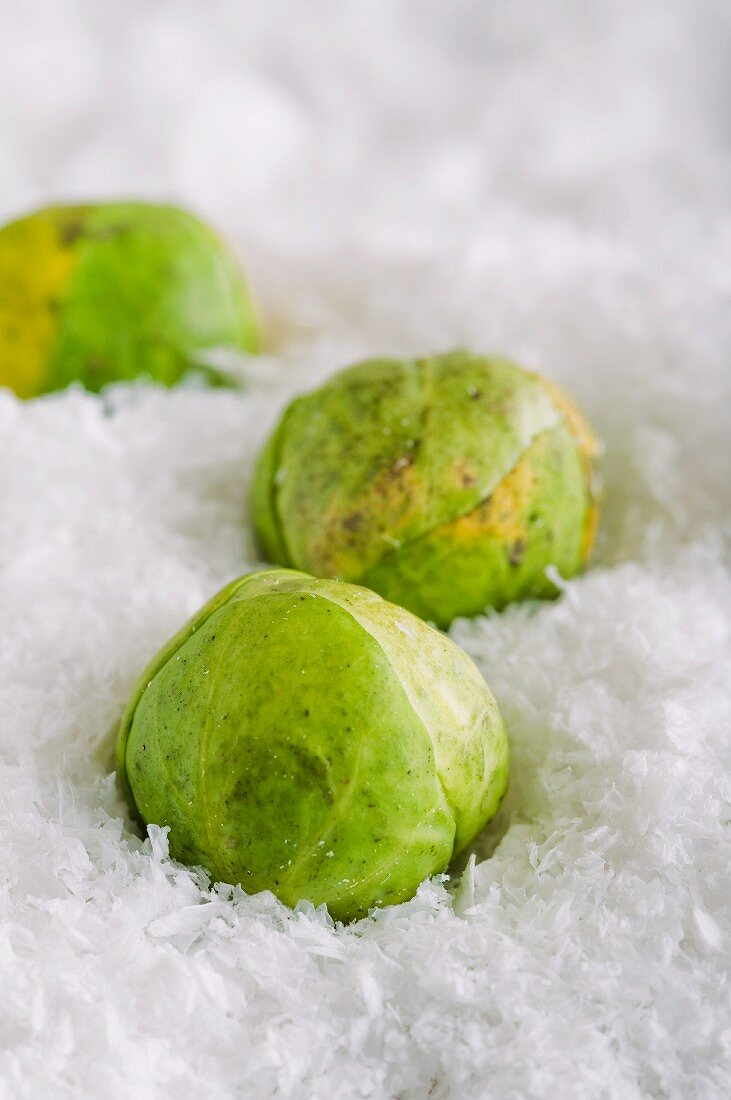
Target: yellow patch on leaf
35,270
578,426
387,513
501,515
588,449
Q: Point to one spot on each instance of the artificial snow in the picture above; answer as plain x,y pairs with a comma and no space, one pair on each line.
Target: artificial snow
549,182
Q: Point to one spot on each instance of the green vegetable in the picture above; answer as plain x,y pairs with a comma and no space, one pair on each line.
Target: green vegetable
306,737
445,484
98,293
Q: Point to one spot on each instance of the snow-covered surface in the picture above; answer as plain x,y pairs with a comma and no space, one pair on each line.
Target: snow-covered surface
545,180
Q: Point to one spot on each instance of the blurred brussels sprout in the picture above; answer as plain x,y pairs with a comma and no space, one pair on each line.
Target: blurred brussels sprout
113,291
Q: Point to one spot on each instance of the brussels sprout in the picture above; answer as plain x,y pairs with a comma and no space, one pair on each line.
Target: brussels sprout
98,293
445,484
304,736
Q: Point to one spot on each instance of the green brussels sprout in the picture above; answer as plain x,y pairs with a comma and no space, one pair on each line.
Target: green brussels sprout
304,736
448,484
101,293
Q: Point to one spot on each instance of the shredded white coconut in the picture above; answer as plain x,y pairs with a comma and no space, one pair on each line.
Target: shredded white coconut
542,181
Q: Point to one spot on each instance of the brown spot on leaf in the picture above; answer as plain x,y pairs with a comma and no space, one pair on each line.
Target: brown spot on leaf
517,552
465,475
70,231
353,521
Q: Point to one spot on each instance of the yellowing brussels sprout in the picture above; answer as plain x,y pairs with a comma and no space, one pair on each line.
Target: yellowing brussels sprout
306,737
448,484
98,293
